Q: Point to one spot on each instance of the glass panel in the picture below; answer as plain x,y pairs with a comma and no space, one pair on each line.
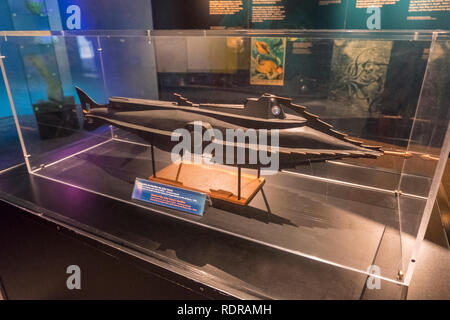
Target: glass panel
42,72
352,212
10,149
429,145
28,15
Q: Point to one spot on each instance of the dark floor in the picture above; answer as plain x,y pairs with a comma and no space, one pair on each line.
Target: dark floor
35,255
233,264
228,258
306,217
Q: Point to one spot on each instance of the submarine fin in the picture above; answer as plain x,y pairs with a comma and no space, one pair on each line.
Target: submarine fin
316,123
182,101
87,102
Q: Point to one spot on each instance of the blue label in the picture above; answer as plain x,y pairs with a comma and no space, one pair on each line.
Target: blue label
169,196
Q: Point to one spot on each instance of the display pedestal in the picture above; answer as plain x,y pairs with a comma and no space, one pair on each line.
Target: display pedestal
218,183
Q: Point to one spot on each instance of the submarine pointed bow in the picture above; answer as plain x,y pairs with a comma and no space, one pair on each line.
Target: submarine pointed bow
358,147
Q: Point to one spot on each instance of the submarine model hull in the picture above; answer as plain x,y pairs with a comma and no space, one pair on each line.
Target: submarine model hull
302,136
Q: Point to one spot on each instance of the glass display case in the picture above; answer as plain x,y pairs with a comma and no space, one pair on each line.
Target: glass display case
364,210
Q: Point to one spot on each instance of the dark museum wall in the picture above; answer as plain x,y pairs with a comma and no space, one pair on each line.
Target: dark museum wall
107,14
66,15
115,78
71,15
306,14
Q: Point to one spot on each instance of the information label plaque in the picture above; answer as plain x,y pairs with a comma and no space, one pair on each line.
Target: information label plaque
169,196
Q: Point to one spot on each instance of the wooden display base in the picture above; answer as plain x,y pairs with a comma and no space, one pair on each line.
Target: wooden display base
218,183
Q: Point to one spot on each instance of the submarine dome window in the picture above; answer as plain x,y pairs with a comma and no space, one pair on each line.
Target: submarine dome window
276,111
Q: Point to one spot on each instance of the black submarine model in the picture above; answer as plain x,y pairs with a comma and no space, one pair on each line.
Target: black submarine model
303,137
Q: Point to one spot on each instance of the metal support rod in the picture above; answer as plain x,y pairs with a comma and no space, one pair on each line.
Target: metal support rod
178,171
153,161
259,172
239,183
13,109
265,201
